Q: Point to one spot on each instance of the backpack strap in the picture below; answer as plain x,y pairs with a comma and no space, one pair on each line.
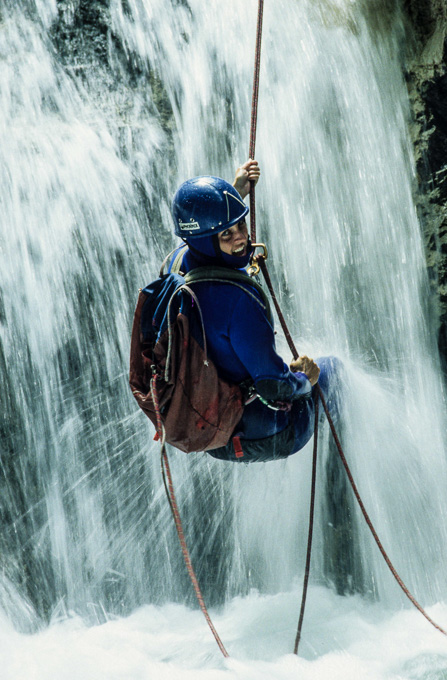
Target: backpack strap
217,274
175,268
235,278
188,290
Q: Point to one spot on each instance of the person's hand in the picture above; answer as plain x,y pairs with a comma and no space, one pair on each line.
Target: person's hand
247,173
308,366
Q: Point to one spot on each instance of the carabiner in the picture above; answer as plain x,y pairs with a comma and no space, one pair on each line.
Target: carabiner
254,269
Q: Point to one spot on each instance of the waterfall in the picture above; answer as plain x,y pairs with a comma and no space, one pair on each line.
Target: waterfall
91,153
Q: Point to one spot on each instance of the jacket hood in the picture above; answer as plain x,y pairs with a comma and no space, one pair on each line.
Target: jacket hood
207,250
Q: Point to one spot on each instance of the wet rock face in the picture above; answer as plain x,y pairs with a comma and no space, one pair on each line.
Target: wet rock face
428,19
427,81
433,174
81,30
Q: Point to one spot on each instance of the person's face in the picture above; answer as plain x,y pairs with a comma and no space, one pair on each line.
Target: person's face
233,241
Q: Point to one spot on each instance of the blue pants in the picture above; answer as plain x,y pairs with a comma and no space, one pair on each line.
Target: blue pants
286,433
303,413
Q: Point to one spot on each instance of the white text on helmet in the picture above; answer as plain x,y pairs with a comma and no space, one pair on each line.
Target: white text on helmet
188,226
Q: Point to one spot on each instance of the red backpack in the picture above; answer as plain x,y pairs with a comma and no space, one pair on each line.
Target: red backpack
199,410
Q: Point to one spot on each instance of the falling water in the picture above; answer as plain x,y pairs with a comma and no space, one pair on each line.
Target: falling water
90,156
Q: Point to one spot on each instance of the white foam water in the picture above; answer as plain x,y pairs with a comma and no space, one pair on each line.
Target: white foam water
87,171
344,637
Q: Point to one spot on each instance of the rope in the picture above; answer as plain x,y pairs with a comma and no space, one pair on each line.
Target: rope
165,468
310,532
367,518
254,115
169,488
263,267
319,394
262,264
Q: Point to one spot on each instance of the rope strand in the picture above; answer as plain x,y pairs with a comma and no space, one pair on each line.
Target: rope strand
311,528
166,472
368,520
169,488
254,115
263,267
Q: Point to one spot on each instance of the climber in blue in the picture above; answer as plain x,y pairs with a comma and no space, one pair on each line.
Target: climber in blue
209,215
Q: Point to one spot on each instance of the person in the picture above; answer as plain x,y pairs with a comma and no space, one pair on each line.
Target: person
209,216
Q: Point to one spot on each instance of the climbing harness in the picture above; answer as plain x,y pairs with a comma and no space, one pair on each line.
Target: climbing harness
259,264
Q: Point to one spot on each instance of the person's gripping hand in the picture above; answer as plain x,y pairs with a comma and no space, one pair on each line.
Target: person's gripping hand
308,366
247,173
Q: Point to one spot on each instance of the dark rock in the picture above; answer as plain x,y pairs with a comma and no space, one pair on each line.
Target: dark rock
427,84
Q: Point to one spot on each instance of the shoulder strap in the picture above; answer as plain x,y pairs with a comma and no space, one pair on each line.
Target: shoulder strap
233,277
187,289
176,265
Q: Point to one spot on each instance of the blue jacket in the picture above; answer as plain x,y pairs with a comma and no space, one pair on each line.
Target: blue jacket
241,343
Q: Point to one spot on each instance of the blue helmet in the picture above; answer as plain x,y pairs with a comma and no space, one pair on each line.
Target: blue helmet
206,205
